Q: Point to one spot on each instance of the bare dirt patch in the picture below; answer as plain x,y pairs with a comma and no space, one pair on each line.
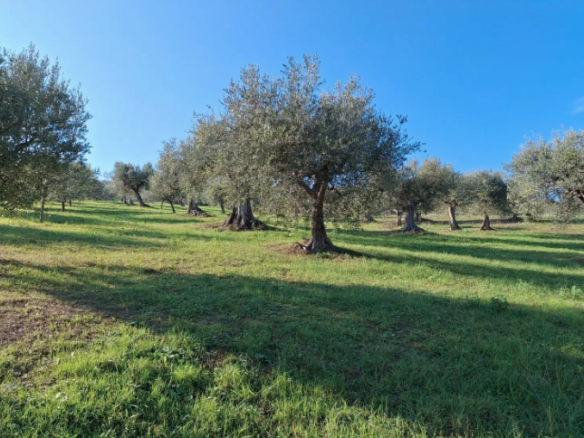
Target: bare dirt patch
30,319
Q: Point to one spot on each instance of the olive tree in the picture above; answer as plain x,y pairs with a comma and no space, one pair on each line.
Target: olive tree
42,127
132,178
196,162
222,153
289,142
419,187
484,192
77,181
166,180
548,176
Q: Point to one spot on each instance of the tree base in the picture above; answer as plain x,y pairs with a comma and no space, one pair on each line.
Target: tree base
412,229
199,213
237,222
314,246
486,226
368,219
249,225
455,228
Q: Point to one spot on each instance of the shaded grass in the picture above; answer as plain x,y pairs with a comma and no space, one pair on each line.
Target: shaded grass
201,332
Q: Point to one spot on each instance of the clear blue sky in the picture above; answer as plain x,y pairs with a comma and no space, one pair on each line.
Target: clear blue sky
474,76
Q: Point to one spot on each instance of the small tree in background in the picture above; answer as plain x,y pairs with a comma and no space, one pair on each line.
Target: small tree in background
224,163
132,178
78,181
419,188
484,192
166,181
195,162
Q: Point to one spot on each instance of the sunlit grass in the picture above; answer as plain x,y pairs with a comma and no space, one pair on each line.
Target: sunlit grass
123,321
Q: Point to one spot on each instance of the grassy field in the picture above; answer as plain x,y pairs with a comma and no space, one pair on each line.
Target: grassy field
118,321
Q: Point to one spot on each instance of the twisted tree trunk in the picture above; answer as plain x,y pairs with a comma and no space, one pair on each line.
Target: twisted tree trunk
63,206
172,206
241,218
398,219
139,198
161,204
195,210
486,223
452,216
319,241
222,204
410,226
70,203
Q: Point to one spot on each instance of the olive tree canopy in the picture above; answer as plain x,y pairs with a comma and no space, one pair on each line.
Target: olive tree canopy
166,180
42,126
291,143
78,181
548,176
421,187
131,177
484,192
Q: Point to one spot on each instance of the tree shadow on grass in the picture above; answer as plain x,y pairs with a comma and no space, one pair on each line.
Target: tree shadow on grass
477,248
117,238
455,366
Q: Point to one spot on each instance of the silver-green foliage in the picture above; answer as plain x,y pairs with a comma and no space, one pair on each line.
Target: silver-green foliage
166,180
547,177
483,192
77,181
298,147
424,186
131,178
42,126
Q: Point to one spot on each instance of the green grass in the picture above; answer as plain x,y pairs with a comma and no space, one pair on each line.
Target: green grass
123,322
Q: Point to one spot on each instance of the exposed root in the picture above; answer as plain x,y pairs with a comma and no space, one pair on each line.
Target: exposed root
314,246
199,213
412,229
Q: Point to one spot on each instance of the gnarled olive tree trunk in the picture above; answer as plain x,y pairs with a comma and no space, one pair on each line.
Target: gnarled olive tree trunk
398,219
319,240
195,210
63,206
410,226
241,218
486,223
139,198
452,216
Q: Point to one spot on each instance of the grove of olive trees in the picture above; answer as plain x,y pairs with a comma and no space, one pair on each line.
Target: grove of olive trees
282,142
